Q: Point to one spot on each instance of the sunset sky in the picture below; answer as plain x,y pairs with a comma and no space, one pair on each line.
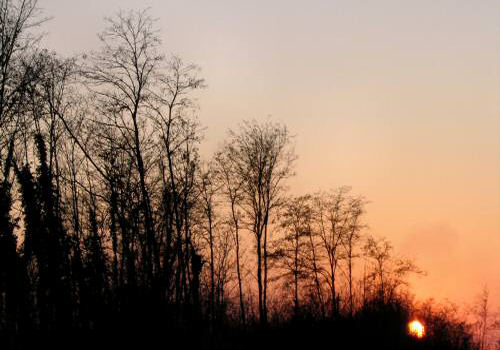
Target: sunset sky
398,99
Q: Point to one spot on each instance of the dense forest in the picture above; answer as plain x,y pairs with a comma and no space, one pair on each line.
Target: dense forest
116,233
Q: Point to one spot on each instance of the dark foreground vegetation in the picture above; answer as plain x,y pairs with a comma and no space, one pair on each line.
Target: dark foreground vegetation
376,326
115,234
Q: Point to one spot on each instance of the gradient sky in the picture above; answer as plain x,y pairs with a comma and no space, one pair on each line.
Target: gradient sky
398,99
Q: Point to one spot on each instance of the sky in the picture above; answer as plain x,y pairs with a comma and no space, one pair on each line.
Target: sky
398,99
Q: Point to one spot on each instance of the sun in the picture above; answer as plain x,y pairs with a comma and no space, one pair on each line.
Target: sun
416,329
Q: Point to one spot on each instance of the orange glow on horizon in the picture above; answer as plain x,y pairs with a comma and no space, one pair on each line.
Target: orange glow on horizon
416,329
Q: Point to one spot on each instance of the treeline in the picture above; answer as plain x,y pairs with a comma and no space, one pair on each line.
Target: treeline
111,222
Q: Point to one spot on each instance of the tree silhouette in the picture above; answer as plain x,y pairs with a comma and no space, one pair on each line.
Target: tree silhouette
116,231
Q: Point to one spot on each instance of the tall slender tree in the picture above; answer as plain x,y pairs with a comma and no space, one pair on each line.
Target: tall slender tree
263,159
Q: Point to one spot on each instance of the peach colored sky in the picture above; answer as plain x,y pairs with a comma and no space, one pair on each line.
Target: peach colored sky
398,99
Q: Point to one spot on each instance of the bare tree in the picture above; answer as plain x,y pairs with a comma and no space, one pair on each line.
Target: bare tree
315,258
388,272
207,190
482,312
179,135
122,75
350,241
263,159
223,267
291,251
332,217
18,18
232,189
484,318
